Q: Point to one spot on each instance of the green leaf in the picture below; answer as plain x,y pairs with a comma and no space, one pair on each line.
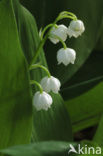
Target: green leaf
88,108
46,12
47,125
19,37
86,78
15,92
99,133
40,149
53,124
99,45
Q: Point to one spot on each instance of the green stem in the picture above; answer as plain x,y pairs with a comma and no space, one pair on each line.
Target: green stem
68,13
45,29
42,42
32,82
63,43
66,16
34,66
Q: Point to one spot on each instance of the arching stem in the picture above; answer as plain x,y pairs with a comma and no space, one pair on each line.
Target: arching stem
33,82
34,66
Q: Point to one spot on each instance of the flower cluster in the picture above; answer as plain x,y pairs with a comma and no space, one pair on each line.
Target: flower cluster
60,32
65,55
42,99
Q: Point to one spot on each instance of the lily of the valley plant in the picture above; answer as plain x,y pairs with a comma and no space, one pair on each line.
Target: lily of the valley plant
56,33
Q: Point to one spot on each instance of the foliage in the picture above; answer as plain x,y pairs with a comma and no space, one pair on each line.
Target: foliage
82,84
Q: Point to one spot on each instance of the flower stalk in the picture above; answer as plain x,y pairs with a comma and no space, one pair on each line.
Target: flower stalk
42,42
34,66
33,82
62,42
55,33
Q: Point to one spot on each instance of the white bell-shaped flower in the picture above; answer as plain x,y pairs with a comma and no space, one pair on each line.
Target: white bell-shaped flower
66,56
60,31
42,101
50,84
76,28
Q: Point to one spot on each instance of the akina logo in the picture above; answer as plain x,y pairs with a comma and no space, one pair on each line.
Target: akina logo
85,150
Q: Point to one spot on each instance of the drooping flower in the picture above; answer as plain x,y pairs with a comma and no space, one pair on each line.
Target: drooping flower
76,28
60,31
42,101
50,84
66,56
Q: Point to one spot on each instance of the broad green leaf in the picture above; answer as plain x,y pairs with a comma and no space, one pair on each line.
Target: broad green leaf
46,12
15,92
40,149
88,108
80,88
54,149
99,45
18,37
86,78
47,125
99,133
